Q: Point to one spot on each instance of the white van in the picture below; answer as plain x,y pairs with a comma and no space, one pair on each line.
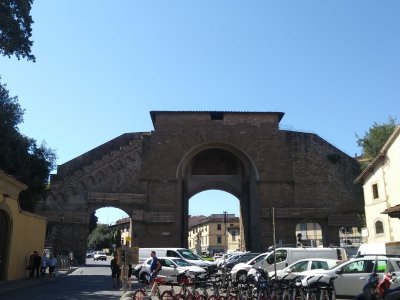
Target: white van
388,248
287,256
183,253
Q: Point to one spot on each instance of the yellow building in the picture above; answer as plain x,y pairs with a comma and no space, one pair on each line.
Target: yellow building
214,233
20,232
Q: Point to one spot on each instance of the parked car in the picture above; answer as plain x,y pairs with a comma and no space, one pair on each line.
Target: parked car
239,271
218,255
206,257
239,259
171,269
226,257
305,265
89,254
350,274
99,255
183,253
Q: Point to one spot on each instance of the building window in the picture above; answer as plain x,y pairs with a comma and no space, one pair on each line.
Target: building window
219,240
375,193
233,235
219,227
379,227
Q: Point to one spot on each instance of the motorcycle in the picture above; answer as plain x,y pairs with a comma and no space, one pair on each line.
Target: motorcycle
379,290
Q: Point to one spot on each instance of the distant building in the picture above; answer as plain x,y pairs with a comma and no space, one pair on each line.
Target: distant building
382,193
124,225
216,233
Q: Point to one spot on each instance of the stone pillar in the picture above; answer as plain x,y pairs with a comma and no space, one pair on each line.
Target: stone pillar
330,235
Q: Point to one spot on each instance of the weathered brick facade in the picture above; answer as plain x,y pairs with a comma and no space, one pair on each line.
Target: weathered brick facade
152,175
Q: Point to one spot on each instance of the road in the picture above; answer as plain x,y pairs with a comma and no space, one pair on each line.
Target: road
92,281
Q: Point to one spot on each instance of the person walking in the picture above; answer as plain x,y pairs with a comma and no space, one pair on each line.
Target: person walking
115,272
52,266
43,265
34,263
155,267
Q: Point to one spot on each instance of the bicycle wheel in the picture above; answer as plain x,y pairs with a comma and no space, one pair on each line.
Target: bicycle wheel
166,295
222,298
139,295
179,297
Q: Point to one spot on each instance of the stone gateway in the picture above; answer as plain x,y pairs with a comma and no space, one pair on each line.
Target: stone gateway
152,176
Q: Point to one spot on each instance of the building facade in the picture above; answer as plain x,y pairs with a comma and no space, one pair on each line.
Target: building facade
216,233
381,188
21,232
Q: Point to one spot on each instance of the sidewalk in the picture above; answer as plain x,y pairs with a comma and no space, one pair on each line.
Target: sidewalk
6,286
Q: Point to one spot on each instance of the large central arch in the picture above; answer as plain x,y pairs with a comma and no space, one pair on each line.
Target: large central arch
221,166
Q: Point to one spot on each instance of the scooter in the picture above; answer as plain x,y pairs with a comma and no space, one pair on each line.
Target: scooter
384,289
375,290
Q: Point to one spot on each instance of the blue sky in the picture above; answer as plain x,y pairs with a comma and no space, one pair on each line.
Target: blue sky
333,67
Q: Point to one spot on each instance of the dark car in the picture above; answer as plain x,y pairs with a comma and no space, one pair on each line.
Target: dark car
240,259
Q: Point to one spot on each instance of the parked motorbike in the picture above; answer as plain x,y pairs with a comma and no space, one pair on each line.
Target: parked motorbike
375,290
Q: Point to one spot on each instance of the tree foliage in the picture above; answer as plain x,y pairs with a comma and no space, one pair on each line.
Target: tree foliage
20,156
92,222
15,28
100,237
373,140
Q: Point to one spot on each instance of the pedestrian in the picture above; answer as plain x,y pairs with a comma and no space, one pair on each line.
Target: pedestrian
155,267
43,265
34,263
115,272
52,266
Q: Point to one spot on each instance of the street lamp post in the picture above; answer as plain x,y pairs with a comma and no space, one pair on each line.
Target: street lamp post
225,247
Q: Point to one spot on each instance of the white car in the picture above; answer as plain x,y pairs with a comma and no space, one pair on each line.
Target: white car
300,266
227,258
99,255
306,264
172,269
351,275
239,271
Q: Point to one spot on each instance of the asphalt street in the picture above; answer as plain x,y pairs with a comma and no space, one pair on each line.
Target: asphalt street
92,281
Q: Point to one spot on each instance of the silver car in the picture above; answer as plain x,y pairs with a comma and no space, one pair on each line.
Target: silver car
351,275
172,269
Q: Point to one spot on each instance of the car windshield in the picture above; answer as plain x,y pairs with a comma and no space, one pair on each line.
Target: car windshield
188,254
181,262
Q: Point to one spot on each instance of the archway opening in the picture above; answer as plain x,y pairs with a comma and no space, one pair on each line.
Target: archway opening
214,224
109,228
309,234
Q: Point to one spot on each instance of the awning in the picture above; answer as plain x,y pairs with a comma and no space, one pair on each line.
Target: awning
393,212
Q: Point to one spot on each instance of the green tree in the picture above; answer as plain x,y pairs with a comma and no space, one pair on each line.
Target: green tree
92,222
116,239
373,140
20,156
100,237
15,28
